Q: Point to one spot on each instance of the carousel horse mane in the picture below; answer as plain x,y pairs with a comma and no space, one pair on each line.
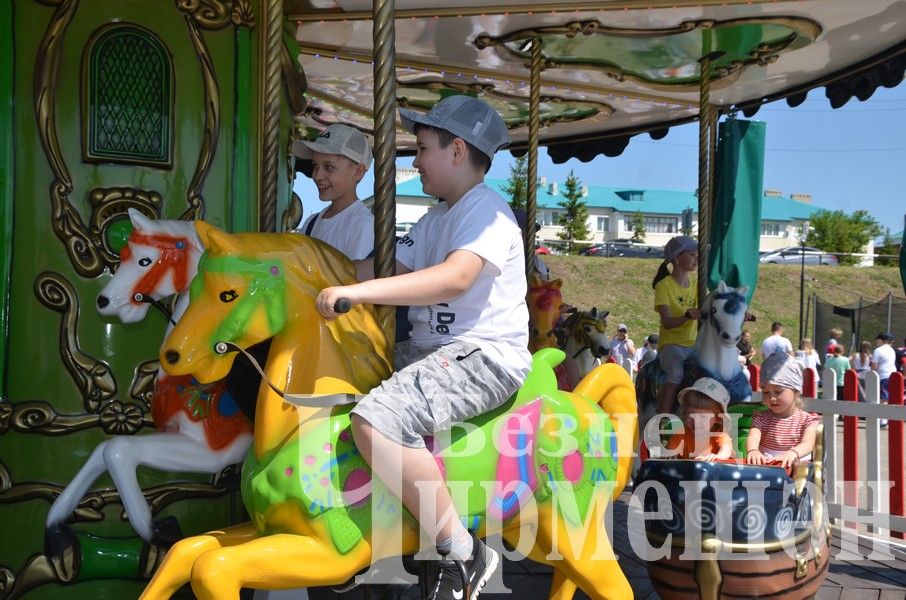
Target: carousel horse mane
544,302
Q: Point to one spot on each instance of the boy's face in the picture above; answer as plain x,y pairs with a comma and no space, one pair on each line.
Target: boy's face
335,176
433,162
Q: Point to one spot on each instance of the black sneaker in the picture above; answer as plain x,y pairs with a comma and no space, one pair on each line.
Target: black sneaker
446,582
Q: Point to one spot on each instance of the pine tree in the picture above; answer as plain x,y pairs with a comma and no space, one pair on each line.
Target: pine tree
516,186
574,217
638,227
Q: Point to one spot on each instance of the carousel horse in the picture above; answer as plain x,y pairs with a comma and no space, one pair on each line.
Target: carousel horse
544,303
200,427
716,354
317,516
585,341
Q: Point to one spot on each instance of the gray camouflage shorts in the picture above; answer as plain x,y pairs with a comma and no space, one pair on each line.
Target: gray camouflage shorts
434,388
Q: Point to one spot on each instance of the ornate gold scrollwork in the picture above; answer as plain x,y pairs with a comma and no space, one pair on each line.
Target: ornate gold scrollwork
489,90
211,15
66,222
143,382
93,377
40,417
110,204
762,54
91,506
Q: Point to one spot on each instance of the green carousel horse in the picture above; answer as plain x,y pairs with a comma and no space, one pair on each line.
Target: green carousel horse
554,459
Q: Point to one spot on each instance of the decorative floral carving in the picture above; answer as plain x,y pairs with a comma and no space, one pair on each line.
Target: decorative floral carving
121,419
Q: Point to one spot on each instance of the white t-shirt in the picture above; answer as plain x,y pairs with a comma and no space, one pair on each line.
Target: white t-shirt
885,358
775,343
808,361
619,350
351,232
492,313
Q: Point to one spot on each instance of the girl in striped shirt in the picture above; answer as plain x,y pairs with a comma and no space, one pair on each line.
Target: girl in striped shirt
784,434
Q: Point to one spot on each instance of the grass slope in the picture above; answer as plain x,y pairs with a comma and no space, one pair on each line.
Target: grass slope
623,287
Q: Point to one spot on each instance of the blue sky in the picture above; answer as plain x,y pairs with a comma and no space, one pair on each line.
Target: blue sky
850,158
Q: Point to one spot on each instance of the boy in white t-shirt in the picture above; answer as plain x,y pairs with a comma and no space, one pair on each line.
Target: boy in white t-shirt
461,269
340,157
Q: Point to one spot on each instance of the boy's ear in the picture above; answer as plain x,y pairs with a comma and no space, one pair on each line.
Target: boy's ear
460,151
360,170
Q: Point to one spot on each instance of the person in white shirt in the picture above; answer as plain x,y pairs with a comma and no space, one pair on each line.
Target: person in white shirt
883,361
776,342
621,347
806,355
340,157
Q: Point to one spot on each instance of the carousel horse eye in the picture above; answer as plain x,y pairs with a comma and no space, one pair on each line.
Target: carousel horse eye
713,310
228,296
144,261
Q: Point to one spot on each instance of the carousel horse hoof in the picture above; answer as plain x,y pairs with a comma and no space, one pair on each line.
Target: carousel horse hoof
166,532
59,540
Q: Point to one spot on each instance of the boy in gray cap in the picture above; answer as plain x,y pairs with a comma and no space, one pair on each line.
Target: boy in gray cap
340,157
461,269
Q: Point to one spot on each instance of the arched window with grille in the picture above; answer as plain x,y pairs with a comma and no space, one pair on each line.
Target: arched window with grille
127,83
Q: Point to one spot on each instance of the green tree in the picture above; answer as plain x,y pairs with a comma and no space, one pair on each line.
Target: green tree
835,231
517,185
574,218
638,227
888,246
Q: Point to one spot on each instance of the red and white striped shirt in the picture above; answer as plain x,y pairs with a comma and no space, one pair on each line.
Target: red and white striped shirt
779,435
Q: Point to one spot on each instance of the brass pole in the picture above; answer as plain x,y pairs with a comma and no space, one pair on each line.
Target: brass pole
383,31
271,40
705,172
534,126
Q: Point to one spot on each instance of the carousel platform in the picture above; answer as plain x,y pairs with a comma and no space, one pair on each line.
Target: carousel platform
882,577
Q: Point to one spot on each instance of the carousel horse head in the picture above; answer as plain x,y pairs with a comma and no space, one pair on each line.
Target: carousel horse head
159,259
544,302
724,310
251,287
587,330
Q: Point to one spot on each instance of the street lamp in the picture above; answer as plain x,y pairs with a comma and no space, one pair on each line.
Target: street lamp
803,236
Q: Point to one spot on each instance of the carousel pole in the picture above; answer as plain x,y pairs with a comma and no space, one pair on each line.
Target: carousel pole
707,136
534,125
384,65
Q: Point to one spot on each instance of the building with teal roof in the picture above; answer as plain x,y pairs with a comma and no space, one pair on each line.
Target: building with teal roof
611,210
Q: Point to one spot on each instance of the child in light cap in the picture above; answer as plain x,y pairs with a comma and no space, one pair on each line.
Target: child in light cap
340,157
704,413
784,434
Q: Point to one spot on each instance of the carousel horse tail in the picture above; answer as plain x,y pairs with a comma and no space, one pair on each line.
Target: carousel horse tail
611,387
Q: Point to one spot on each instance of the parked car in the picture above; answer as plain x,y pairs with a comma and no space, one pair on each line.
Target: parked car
794,255
542,250
624,249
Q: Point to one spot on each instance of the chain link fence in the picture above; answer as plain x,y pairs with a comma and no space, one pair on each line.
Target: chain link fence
862,320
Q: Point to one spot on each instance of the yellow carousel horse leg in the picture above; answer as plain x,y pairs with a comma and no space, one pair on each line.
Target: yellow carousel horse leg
281,561
592,566
176,570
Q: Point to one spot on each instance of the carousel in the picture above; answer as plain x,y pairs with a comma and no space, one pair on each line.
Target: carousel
145,146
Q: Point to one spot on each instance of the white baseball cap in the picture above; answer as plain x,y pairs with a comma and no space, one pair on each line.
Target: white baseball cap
337,139
709,387
465,117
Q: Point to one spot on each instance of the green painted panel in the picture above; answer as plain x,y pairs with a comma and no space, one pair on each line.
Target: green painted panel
7,169
672,58
35,370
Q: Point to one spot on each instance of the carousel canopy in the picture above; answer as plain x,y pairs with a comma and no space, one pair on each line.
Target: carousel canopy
611,68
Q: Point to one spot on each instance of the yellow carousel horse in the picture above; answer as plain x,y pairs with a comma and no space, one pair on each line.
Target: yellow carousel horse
317,517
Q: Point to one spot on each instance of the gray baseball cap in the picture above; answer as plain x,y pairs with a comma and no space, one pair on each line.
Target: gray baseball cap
337,139
465,117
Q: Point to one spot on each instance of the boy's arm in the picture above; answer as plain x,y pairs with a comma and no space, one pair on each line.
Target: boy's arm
364,268
433,285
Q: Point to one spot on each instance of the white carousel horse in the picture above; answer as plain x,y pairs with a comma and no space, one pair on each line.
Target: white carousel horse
200,428
716,354
585,342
